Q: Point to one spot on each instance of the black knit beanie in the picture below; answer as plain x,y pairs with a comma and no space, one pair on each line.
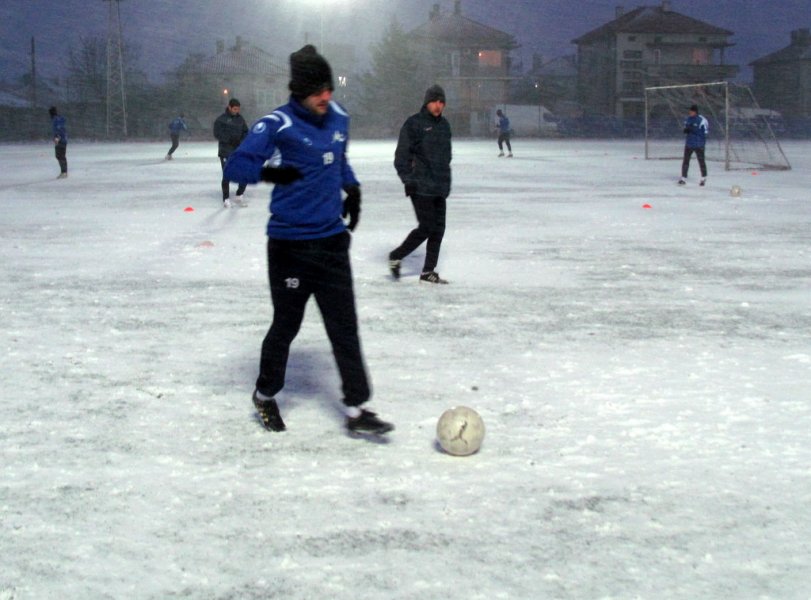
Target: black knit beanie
309,72
52,111
433,93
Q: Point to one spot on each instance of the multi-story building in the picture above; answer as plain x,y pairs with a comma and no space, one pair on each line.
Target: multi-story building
471,61
782,80
647,46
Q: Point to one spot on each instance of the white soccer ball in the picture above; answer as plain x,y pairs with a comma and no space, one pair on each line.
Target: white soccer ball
460,431
735,191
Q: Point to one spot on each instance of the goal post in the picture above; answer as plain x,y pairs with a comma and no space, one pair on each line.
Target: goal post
741,134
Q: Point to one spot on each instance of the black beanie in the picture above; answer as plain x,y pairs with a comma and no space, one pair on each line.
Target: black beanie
52,111
433,94
694,108
309,72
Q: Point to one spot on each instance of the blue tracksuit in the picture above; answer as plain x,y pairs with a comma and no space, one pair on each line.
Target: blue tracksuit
504,125
696,128
310,207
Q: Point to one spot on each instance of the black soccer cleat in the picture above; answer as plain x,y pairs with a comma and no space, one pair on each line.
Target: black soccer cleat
432,277
368,422
394,267
268,412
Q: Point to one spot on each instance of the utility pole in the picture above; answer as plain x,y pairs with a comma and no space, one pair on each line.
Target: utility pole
33,74
116,96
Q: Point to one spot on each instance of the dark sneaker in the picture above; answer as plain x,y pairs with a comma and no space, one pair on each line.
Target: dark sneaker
394,267
368,422
432,277
268,412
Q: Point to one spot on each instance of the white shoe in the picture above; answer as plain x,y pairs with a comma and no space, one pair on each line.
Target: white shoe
62,176
510,155
240,201
703,181
168,157
682,182
501,154
226,203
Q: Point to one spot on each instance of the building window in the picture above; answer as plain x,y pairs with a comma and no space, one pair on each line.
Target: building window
631,38
490,58
637,54
701,56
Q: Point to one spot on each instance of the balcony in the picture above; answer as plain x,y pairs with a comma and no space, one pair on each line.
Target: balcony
690,73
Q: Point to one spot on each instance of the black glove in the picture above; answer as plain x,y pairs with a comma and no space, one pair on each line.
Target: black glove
410,189
352,205
686,130
282,175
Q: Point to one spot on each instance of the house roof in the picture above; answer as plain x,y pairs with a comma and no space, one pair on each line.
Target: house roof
242,59
651,19
794,52
564,66
456,29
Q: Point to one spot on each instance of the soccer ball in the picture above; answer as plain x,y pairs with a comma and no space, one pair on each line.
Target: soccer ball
735,191
460,431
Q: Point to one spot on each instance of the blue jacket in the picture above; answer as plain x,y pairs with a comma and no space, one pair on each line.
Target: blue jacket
696,128
310,207
177,125
59,131
504,124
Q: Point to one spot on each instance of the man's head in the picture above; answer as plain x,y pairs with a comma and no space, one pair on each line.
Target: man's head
52,111
311,79
694,109
434,100
234,106
499,113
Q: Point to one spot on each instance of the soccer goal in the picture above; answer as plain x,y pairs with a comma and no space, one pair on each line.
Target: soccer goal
741,134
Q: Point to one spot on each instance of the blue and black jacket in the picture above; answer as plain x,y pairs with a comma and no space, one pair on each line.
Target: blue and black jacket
177,125
696,127
59,132
291,135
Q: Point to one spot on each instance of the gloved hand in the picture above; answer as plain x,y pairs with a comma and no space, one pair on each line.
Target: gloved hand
686,130
352,206
281,175
410,189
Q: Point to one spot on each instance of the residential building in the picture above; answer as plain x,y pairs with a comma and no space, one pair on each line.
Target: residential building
470,60
647,46
782,80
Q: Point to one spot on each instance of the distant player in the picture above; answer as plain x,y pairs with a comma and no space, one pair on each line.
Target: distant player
696,129
503,128
60,137
175,127
230,129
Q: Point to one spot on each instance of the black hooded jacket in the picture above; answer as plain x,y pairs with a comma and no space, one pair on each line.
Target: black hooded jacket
423,154
229,130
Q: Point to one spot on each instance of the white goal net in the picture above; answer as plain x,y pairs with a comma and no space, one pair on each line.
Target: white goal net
741,134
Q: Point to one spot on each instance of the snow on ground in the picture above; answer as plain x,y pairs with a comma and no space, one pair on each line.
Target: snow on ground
643,374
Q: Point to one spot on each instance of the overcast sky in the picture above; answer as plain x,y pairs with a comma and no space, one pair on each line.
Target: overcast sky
168,31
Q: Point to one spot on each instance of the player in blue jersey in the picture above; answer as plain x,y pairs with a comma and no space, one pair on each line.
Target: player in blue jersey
60,138
696,129
304,143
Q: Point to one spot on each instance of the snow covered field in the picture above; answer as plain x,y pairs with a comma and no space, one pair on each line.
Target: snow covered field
643,374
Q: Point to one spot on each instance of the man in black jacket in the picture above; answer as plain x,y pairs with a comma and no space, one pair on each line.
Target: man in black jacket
423,163
230,129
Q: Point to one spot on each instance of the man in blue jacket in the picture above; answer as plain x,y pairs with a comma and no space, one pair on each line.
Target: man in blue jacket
503,127
696,129
308,245
60,137
175,127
